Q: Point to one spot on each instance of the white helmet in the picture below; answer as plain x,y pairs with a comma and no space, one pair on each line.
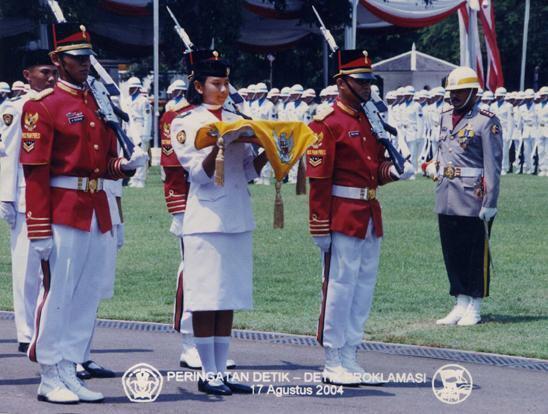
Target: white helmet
18,86
251,88
242,91
332,90
543,91
462,78
309,93
261,87
409,90
323,92
169,89
134,82
438,91
297,89
529,94
4,87
179,85
273,92
390,95
285,92
500,91
487,96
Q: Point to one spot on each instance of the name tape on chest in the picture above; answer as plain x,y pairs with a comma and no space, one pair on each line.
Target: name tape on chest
75,117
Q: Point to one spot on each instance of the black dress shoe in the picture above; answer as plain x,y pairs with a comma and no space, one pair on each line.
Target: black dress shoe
23,347
82,373
221,389
97,371
236,387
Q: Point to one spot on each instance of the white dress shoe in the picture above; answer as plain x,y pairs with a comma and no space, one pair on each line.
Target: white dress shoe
349,361
457,312
190,358
67,373
52,389
472,315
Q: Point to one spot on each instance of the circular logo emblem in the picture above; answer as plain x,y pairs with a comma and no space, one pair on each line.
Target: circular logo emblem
452,384
142,383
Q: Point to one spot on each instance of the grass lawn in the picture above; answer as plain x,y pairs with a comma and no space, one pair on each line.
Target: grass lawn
412,288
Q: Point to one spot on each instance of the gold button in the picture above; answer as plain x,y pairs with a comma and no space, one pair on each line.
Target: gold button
92,124
96,170
368,157
95,147
373,177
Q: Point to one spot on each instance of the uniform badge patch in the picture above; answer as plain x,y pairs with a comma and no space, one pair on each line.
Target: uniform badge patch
319,139
75,117
181,137
28,145
284,145
8,119
167,150
30,121
495,129
166,129
315,161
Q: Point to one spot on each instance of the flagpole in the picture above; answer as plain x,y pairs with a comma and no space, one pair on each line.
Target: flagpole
156,23
524,45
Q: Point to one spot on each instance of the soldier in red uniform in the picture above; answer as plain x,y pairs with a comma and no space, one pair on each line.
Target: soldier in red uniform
346,166
67,151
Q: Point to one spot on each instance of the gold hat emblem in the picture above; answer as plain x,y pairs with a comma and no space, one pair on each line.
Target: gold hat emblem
365,54
83,29
215,55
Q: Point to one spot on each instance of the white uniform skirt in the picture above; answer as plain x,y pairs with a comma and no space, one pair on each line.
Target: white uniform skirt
218,271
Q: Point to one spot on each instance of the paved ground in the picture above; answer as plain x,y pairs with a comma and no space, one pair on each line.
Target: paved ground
496,389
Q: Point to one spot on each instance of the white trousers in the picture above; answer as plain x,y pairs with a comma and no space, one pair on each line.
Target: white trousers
506,143
350,286
27,279
70,296
527,152
415,147
543,154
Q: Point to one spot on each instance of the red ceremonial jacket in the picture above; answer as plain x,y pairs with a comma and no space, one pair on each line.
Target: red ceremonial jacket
175,185
63,136
347,154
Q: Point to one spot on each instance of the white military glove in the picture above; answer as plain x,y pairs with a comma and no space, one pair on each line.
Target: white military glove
139,158
323,242
8,213
432,171
487,213
43,247
120,235
176,227
408,171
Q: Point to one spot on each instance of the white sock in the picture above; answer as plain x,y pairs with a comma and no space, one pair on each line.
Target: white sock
206,350
222,343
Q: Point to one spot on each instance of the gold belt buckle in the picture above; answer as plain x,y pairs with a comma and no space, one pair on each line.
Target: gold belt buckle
371,194
450,172
92,185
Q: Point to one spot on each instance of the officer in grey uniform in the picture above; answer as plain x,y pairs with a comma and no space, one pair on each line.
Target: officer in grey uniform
467,168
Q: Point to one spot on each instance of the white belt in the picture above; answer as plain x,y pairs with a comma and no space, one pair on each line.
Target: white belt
77,183
451,172
354,193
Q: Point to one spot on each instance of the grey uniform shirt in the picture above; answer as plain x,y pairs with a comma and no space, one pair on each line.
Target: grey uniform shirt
474,143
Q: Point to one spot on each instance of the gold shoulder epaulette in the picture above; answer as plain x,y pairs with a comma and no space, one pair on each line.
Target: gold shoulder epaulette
487,113
42,95
181,105
323,113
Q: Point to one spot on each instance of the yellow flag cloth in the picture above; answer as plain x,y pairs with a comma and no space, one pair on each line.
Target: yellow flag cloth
283,142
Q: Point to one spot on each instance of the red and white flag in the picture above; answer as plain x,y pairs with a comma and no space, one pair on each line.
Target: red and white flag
494,67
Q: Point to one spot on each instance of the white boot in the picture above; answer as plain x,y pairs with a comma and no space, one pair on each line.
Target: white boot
52,389
349,361
472,315
189,356
457,312
67,373
334,372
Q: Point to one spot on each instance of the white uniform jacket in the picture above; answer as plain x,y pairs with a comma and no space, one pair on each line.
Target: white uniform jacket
139,127
211,208
12,179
